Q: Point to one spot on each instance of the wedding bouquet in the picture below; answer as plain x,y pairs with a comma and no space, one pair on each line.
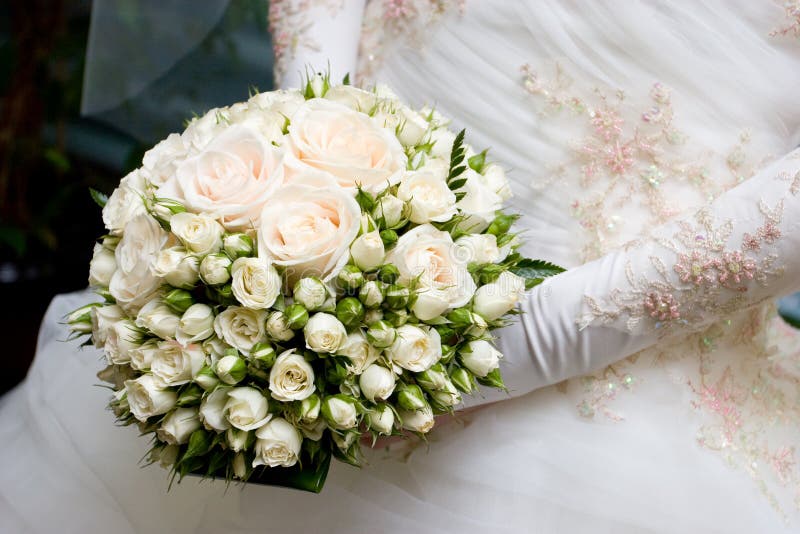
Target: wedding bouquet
298,271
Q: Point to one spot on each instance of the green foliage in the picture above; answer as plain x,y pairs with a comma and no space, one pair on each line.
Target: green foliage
535,271
99,198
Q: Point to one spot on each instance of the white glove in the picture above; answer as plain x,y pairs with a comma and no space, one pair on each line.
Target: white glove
739,251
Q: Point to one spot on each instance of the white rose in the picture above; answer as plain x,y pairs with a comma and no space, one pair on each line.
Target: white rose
352,97
246,408
269,124
480,357
123,336
324,333
125,203
291,378
389,208
278,444
498,298
196,324
158,318
177,267
479,248
176,364
427,256
283,102
479,204
148,396
212,410
430,303
442,140
418,420
240,327
230,180
202,130
340,413
160,162
377,383
215,269
368,251
345,144
199,233
256,284
495,178
428,196
103,318
102,267
413,127
308,230
133,283
178,426
415,348
310,293
381,419
278,328
359,351
142,356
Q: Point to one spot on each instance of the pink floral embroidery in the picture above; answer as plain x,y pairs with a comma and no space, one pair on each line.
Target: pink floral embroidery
792,28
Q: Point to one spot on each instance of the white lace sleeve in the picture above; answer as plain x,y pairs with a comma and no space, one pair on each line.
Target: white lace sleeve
314,34
739,251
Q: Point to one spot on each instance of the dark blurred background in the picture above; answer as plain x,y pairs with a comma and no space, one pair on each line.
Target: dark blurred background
142,81
51,154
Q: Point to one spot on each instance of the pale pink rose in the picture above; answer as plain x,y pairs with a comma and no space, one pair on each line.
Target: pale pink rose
345,144
308,230
230,179
133,282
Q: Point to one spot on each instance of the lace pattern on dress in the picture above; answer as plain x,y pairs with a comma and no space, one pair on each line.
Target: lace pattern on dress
628,155
289,26
707,278
792,27
391,23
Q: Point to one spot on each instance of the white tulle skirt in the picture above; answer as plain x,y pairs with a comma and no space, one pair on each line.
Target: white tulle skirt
531,464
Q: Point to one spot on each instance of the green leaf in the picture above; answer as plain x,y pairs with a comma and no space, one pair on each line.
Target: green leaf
493,380
346,79
99,198
791,319
457,157
365,200
535,271
478,161
457,184
199,443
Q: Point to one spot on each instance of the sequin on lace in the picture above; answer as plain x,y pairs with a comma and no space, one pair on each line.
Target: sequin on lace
629,155
792,27
712,273
289,25
391,23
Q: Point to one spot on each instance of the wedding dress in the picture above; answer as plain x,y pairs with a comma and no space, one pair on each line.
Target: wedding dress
651,149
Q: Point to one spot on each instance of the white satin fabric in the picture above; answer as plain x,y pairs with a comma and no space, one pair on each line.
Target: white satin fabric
697,433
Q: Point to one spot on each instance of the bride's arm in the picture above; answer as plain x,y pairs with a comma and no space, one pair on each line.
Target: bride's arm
316,35
740,250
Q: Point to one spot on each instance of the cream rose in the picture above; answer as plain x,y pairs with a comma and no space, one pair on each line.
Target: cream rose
428,256
199,233
256,284
286,103
246,408
291,378
415,348
230,180
498,298
241,327
125,203
123,336
277,444
308,230
158,318
177,267
196,324
178,426
377,383
102,267
103,318
480,357
324,333
417,421
176,364
269,124
148,396
160,162
345,144
142,357
428,196
479,248
133,282
479,204
359,351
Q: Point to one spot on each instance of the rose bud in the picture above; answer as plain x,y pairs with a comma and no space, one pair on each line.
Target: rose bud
480,357
371,294
350,312
310,293
231,369
381,419
377,383
238,245
381,334
215,269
